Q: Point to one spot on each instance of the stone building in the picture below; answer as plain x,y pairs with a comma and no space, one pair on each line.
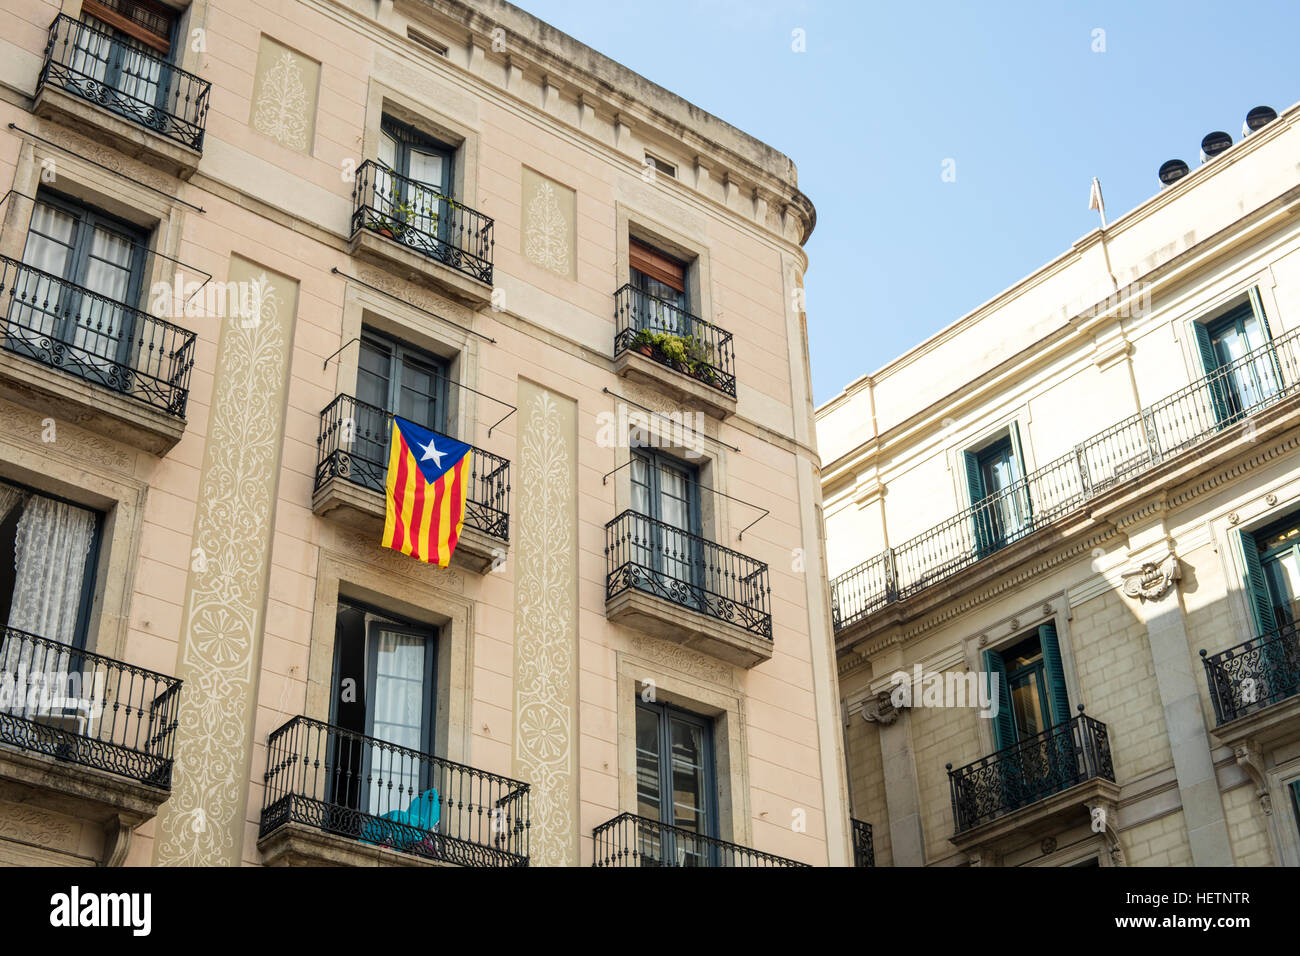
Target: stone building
1062,536
238,239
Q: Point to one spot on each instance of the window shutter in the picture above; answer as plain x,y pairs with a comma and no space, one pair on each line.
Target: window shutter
1210,362
656,265
150,23
1295,800
1026,500
980,517
1257,306
1257,585
1004,725
1058,697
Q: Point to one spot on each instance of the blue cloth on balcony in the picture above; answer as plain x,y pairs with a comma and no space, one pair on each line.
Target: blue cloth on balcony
405,828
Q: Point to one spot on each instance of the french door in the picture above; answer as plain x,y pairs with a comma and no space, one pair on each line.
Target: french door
134,76
95,252
665,492
675,786
417,196
400,380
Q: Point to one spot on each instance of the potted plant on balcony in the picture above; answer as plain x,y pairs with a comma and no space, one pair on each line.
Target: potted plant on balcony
644,342
394,218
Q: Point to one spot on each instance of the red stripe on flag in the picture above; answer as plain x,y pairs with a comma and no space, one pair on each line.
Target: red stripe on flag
417,515
399,496
439,489
452,533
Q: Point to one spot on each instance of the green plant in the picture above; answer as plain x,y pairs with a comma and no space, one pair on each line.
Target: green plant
684,352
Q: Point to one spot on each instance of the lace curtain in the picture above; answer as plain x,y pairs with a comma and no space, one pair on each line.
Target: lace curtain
50,551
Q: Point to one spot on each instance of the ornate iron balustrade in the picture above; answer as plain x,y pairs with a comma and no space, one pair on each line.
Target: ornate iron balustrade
342,782
631,840
655,327
1255,674
652,556
129,80
353,445
83,333
87,709
1170,427
864,848
1033,769
419,217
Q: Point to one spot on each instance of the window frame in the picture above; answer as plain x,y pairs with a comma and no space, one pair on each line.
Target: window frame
405,137
399,351
664,713
90,574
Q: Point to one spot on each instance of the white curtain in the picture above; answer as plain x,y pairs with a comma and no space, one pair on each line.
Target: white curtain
50,551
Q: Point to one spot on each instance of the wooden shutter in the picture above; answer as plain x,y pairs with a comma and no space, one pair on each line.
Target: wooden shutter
1218,384
144,20
980,517
1257,585
1058,698
1004,725
656,265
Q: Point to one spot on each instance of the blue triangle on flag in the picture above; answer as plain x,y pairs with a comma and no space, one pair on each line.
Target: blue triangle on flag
434,453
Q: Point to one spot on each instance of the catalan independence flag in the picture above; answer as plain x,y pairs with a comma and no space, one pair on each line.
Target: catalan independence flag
427,477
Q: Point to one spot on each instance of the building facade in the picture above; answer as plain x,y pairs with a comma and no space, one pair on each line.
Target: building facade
238,240
1062,539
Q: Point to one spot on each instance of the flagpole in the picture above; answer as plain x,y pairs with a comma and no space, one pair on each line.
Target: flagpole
1095,201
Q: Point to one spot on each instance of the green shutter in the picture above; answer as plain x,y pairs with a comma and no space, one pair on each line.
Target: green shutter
1217,384
1295,800
1257,586
1026,500
1058,697
1004,725
980,518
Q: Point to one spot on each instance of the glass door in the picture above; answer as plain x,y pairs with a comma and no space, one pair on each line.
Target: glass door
1249,383
667,546
415,201
674,751
1007,512
400,692
129,72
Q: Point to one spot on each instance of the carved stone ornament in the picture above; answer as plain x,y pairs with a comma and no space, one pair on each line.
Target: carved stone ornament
880,709
1153,578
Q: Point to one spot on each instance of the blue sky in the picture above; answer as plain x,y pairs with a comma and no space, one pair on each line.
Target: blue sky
1012,92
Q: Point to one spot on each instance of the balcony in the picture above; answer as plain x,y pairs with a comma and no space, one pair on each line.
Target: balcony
85,735
406,227
1032,785
1161,434
1255,687
652,334
338,797
630,840
125,95
351,466
127,372
686,589
864,848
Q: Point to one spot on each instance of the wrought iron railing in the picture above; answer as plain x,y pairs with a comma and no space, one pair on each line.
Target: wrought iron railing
419,217
864,848
127,79
631,840
1170,427
1255,674
87,709
684,342
653,556
1033,769
83,333
331,779
353,445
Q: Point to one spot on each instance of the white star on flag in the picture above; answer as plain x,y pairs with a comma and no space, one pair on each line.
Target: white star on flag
431,452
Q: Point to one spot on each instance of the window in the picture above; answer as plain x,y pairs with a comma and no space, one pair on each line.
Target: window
666,491
383,688
426,41
1000,499
668,169
398,379
1273,573
675,784
660,301
127,48
48,551
93,253
1224,343
1030,686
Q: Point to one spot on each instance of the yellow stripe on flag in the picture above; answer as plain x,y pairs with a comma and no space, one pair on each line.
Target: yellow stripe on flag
390,481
